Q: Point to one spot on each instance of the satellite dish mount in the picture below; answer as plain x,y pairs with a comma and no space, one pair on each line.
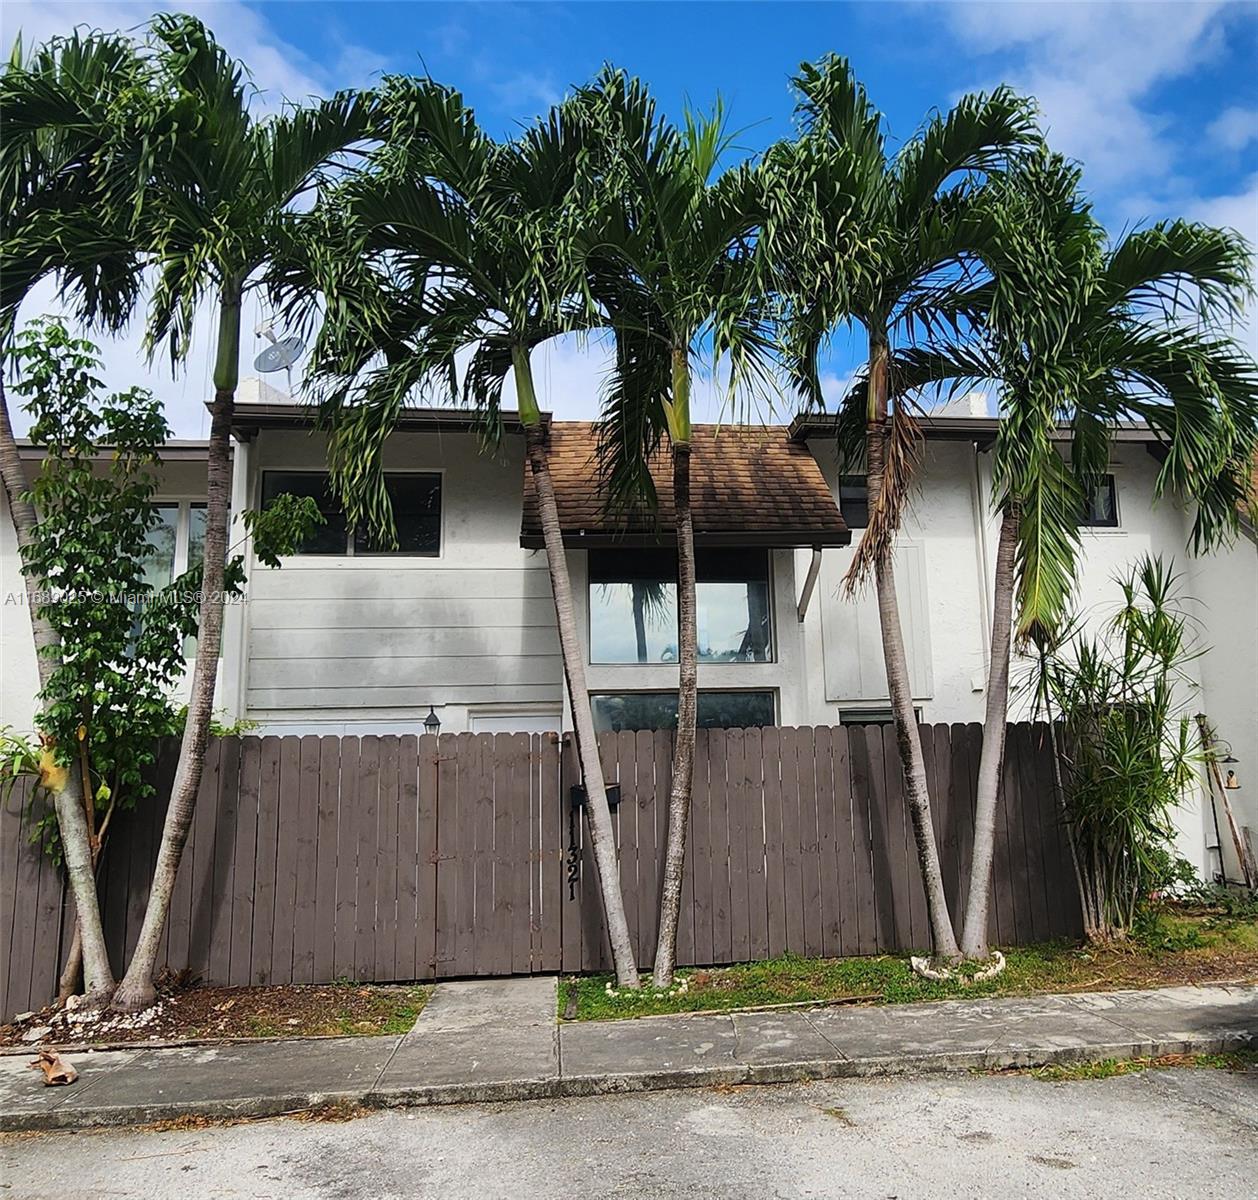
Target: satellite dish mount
280,354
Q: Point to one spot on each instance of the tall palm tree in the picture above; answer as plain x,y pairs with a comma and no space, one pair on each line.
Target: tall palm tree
220,191
67,217
884,241
668,250
1082,335
451,244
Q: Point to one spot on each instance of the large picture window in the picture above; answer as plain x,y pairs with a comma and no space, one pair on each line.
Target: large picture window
633,606
658,710
416,499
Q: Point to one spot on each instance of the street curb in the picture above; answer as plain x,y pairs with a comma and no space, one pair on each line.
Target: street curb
555,1087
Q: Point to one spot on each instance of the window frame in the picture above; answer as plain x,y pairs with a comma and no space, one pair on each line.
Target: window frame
773,656
1107,480
350,550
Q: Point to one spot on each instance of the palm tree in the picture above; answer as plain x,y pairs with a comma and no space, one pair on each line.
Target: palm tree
1086,336
885,242
452,244
221,191
67,218
668,248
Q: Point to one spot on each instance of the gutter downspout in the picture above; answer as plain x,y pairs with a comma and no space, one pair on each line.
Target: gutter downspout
983,564
810,583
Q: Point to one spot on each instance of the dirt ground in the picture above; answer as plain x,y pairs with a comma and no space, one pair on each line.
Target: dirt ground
190,1013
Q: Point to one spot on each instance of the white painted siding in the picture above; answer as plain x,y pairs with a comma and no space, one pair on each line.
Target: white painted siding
351,638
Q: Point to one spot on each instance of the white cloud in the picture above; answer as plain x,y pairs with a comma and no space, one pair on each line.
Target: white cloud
1234,128
1093,66
1238,211
281,72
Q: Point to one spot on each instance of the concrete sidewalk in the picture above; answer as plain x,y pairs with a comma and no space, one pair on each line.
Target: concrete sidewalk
498,1040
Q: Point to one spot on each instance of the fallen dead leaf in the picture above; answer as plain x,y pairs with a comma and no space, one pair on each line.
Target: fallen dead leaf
55,1068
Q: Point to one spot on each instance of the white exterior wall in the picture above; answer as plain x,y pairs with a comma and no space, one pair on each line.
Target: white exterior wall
946,578
367,643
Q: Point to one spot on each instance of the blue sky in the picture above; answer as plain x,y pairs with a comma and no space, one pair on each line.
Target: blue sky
1158,100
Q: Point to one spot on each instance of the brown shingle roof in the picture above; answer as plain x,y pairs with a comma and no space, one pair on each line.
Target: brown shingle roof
750,485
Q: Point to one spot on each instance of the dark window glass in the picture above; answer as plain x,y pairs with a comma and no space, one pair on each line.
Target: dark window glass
331,536
633,606
416,501
1101,509
658,710
870,716
854,501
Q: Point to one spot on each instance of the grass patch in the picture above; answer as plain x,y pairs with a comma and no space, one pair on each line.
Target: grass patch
1171,946
1109,1068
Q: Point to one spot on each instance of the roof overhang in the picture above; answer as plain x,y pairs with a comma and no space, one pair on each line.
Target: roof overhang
981,431
775,539
249,419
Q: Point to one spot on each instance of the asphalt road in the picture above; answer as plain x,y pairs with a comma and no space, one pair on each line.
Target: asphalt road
1170,1133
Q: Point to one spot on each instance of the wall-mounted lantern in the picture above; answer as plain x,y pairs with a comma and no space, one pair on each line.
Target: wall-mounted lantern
432,722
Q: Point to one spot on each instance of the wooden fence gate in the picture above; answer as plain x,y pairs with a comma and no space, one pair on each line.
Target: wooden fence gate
395,858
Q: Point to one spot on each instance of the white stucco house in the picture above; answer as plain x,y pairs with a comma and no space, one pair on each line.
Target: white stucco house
459,621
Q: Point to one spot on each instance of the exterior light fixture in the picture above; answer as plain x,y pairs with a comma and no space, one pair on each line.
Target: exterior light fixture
432,722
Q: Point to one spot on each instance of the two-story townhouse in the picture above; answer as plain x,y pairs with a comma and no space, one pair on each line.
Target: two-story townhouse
456,623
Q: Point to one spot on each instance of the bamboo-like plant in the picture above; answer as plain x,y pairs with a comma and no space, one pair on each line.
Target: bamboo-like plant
1128,747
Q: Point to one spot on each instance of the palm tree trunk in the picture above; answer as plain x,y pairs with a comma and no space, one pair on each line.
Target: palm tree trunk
683,766
908,740
995,723
598,814
136,991
639,619
66,786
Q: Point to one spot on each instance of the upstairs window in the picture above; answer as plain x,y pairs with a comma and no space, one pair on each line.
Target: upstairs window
176,545
854,501
416,500
633,606
1101,509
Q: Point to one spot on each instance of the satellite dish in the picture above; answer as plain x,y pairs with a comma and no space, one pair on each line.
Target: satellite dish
279,355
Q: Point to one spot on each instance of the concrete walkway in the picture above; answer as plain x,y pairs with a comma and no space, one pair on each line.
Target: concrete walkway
498,1040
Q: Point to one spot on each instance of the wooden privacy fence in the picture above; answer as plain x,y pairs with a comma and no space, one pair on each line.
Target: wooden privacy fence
396,858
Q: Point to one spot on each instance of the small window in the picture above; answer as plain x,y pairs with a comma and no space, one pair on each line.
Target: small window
854,501
658,710
1101,509
416,500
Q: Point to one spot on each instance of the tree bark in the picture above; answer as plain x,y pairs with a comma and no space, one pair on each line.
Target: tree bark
908,740
687,720
995,724
64,783
597,813
137,991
